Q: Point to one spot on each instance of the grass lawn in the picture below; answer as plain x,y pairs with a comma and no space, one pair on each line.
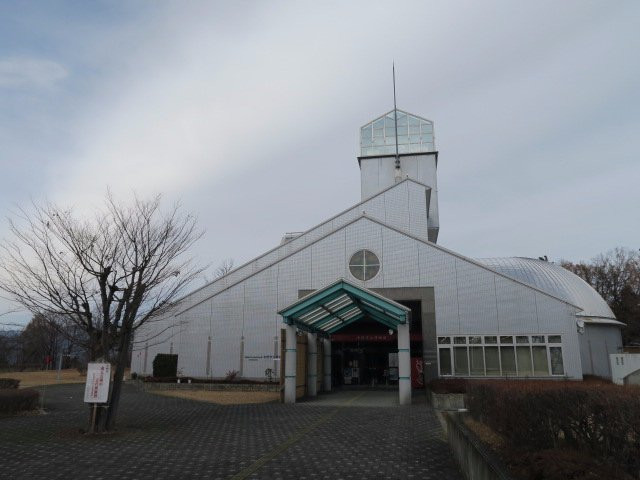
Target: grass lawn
223,398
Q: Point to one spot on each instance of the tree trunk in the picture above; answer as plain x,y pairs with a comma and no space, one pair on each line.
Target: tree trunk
116,390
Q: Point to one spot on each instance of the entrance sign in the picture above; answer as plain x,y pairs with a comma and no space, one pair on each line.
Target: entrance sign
96,389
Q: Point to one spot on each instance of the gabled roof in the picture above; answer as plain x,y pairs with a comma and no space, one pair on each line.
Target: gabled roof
302,234
342,303
402,232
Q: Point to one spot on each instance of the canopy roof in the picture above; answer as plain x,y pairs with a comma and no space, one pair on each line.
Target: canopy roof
342,303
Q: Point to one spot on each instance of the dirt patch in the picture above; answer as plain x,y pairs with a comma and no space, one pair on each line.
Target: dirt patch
222,398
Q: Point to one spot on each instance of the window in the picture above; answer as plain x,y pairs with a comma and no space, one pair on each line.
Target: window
508,361
496,356
557,367
476,357
461,361
523,356
492,361
364,265
540,362
445,361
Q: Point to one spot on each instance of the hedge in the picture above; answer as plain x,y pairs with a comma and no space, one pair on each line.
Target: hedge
448,385
12,401
603,420
6,383
165,365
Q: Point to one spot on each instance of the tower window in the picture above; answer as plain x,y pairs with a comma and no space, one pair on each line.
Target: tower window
364,265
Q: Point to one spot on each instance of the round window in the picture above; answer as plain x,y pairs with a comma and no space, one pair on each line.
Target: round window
364,265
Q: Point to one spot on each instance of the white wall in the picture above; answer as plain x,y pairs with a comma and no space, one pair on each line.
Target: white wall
596,344
378,173
469,299
625,368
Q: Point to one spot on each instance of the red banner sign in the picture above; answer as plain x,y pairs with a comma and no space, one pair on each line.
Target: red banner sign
371,337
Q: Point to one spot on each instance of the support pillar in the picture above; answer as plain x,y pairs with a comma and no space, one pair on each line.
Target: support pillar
327,364
312,364
290,365
404,365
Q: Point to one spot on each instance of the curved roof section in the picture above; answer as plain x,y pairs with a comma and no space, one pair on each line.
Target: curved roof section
555,280
378,137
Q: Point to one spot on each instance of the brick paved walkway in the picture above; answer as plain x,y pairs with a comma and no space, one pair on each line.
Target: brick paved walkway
162,437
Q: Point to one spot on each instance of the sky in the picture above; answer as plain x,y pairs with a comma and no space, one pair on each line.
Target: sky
248,113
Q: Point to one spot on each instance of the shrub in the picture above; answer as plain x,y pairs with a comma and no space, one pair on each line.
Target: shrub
562,464
601,419
231,376
165,365
448,385
9,383
12,400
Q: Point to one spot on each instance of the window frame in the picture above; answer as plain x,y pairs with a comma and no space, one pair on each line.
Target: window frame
364,264
454,341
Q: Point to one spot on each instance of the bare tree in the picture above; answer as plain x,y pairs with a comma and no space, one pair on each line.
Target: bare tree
616,277
109,275
225,267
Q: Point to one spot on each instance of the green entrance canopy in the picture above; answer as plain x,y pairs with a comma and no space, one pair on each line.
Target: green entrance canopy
342,303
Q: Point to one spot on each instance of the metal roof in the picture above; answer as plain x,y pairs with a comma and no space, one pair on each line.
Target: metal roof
342,303
555,280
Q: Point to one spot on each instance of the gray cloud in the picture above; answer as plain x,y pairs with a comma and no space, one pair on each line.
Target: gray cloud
251,117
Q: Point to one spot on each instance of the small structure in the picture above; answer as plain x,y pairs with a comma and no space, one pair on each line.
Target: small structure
328,311
625,368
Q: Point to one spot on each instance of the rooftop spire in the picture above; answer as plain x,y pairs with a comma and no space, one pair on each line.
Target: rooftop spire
395,121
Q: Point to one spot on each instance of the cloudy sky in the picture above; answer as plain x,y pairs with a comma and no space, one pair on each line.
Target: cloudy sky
248,112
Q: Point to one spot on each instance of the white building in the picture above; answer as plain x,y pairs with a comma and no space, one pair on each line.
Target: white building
473,318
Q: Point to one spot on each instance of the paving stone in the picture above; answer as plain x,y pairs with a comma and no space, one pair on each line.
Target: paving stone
348,435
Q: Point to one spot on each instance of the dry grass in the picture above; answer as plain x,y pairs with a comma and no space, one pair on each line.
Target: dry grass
485,433
49,377
45,377
223,397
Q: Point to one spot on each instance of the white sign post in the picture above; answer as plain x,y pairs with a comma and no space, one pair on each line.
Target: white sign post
96,389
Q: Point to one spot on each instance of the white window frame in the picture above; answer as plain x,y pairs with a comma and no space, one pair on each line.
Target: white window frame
451,345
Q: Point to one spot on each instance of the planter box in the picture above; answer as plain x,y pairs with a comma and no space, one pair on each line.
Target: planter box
447,401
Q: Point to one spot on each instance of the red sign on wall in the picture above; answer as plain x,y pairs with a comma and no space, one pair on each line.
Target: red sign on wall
371,337
417,376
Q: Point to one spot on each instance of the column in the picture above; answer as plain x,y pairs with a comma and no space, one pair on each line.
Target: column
327,364
404,365
290,365
312,364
